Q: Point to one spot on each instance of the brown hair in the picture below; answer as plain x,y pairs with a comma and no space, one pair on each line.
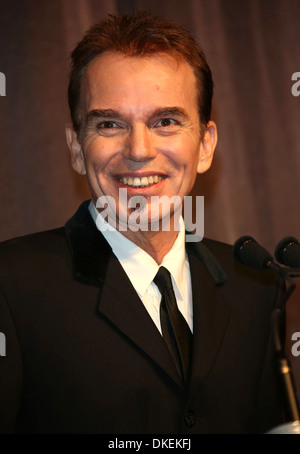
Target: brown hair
139,34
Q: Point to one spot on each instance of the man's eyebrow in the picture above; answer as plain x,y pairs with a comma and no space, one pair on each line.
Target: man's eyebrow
114,115
170,111
102,113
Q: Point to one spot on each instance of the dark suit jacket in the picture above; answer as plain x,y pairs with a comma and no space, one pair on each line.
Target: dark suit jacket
83,355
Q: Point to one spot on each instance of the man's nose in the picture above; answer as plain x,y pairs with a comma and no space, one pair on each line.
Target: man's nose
139,144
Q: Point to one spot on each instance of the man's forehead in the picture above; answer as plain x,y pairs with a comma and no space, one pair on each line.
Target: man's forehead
112,73
122,64
164,58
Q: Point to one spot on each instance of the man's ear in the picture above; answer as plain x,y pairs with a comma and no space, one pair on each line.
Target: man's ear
75,148
207,147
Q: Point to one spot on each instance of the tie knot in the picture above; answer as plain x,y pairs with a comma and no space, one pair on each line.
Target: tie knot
163,280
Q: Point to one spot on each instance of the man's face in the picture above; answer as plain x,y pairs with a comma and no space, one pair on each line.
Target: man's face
141,127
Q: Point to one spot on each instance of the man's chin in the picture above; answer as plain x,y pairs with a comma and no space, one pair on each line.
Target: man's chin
140,213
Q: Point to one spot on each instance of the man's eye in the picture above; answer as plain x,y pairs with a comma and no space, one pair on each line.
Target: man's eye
107,125
165,122
109,128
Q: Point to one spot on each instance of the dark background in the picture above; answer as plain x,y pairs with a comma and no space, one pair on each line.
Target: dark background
253,47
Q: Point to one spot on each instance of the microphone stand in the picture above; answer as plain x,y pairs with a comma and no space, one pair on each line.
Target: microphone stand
247,251
292,272
284,368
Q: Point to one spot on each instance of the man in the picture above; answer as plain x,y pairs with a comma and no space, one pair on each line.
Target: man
94,344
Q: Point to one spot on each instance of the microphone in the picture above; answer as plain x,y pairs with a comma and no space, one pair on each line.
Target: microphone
287,252
247,251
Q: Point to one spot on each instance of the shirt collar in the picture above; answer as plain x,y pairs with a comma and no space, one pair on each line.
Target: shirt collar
139,266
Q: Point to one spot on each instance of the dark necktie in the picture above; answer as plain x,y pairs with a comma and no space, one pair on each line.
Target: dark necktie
176,332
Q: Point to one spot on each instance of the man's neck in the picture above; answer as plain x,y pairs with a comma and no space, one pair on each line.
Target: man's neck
156,244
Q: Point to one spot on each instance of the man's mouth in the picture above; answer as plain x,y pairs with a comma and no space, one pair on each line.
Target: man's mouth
141,182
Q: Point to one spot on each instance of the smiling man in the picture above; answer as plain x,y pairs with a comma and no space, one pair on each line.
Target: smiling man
133,330
141,131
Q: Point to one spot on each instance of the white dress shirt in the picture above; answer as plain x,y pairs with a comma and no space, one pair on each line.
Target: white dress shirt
141,269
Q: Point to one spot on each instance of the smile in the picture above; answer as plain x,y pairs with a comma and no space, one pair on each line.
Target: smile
143,182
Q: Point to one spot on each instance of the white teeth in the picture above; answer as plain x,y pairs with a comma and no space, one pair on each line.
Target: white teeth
144,181
141,182
136,182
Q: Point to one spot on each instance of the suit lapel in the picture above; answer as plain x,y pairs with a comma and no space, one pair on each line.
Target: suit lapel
89,251
211,312
94,263
121,305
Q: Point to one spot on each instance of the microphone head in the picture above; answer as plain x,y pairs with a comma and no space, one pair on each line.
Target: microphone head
287,252
246,250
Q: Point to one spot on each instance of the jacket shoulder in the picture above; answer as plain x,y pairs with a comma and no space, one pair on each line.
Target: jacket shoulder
236,271
47,237
30,250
